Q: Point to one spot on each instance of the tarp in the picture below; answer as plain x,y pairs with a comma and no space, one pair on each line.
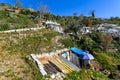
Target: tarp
84,55
77,51
87,56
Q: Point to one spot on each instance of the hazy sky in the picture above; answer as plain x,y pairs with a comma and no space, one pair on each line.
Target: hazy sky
102,8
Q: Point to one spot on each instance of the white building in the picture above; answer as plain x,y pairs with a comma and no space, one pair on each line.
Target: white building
113,29
86,30
55,26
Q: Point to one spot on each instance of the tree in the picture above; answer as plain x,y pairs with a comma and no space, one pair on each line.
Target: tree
93,13
87,22
81,17
75,14
74,26
43,8
106,41
18,4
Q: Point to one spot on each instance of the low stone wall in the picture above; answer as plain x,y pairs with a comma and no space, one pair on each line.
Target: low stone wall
41,69
20,30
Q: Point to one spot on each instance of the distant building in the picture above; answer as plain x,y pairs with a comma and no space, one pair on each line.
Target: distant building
112,29
55,26
105,27
108,25
86,30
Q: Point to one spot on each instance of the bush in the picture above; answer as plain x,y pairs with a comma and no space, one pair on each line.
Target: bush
106,61
3,14
4,26
86,75
67,42
116,55
99,76
95,36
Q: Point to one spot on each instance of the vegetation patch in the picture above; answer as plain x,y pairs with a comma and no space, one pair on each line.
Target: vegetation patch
67,42
86,75
106,61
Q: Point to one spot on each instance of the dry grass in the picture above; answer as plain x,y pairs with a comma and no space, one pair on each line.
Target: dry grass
12,64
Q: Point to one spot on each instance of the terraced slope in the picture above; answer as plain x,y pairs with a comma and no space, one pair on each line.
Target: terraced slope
16,47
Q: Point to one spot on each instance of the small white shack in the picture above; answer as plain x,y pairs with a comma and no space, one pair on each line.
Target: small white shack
55,26
86,30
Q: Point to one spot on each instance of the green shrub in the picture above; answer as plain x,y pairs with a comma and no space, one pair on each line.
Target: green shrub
97,75
3,14
86,75
115,55
106,61
67,42
49,36
95,36
4,26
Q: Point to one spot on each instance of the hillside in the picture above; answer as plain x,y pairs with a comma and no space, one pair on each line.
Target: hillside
16,47
13,18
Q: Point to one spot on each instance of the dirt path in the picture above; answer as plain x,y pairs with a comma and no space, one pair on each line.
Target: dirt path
56,42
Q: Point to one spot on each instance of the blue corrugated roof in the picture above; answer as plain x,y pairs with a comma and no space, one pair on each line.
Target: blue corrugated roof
77,51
